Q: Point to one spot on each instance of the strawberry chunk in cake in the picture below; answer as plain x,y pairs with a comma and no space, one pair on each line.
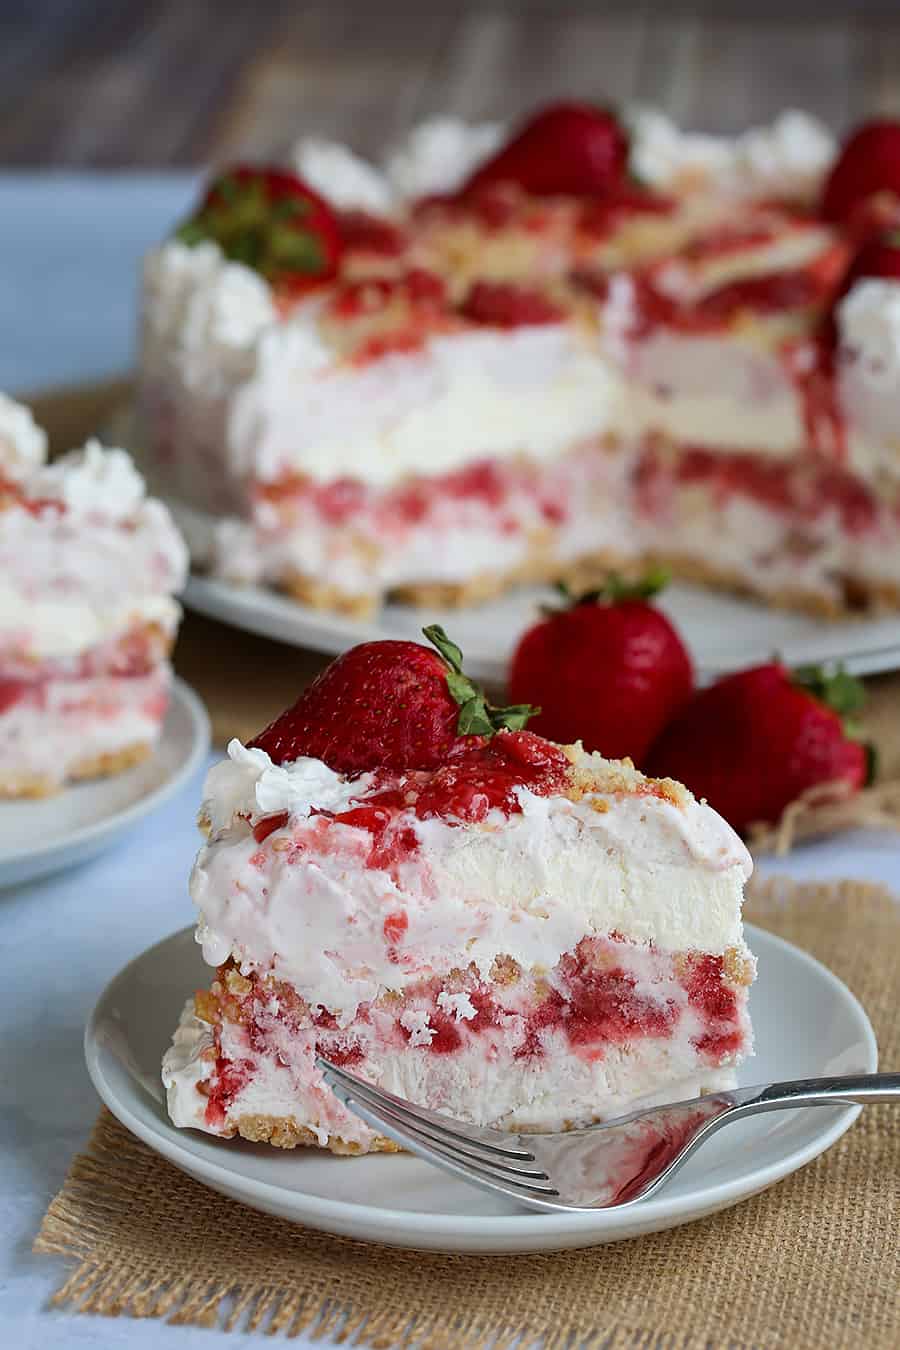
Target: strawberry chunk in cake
88,567
405,880
591,341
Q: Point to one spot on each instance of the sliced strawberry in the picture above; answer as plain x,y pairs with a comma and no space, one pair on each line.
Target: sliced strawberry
567,149
395,705
609,670
361,232
504,305
868,164
271,221
753,742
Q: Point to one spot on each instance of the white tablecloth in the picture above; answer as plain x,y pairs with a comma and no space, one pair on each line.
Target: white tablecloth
68,255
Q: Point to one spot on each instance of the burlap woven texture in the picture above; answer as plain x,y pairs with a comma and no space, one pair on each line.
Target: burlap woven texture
811,1264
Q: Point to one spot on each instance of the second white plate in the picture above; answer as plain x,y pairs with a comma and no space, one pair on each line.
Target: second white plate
807,1023
722,632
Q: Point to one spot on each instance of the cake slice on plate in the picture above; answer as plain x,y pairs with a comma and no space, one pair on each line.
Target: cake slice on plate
403,879
88,568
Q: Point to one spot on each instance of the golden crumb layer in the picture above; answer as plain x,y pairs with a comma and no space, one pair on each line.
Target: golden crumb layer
285,1132
97,766
856,594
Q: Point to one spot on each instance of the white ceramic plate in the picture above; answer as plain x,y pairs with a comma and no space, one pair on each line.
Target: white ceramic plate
806,1021
37,837
722,632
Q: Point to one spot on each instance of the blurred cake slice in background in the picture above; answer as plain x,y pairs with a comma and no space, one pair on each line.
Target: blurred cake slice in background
88,570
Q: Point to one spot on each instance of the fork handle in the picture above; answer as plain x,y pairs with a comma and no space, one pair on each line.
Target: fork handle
861,1088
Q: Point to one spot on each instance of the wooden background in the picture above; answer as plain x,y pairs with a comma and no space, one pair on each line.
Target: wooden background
176,82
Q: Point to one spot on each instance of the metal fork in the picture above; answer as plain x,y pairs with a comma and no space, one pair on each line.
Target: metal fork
604,1166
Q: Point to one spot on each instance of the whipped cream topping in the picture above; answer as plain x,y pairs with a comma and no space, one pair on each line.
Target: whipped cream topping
92,481
440,154
108,563
23,444
530,885
203,312
869,327
787,160
343,178
248,783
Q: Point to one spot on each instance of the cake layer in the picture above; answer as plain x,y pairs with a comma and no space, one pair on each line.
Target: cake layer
495,519
802,531
54,731
612,1024
347,888
136,651
85,558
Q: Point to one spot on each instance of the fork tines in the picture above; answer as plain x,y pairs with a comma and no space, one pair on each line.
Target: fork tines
438,1140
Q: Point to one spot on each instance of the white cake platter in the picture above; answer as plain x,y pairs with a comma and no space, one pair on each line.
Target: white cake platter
722,632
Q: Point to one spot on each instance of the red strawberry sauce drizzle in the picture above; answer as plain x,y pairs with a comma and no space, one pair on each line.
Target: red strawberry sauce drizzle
595,1001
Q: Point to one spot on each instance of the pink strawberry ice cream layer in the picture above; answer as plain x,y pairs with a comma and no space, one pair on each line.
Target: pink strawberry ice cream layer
526,953
55,730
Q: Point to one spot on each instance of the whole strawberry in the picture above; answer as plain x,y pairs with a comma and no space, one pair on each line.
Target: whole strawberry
566,149
868,164
395,705
753,742
609,670
271,221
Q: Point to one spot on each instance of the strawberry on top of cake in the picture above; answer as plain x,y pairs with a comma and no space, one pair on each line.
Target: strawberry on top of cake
404,879
518,354
88,570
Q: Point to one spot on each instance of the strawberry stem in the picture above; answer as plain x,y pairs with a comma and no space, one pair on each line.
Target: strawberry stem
617,587
837,689
477,717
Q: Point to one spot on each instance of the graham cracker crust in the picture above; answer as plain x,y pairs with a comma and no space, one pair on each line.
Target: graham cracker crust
35,786
852,595
285,1132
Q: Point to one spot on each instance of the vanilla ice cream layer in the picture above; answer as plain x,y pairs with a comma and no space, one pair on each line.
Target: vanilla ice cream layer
74,578
61,725
529,885
265,397
483,1082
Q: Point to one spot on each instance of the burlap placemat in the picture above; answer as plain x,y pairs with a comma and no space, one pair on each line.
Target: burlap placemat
810,1265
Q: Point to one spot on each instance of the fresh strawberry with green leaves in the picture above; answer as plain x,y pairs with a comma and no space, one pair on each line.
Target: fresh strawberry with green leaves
271,221
566,149
609,669
754,742
396,705
868,164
